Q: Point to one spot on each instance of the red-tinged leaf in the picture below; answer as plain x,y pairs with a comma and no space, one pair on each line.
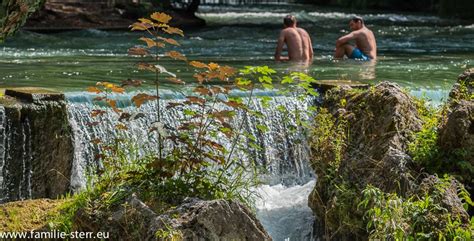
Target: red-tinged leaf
217,90
99,98
140,26
121,126
117,89
227,89
93,123
149,42
212,75
200,77
172,30
161,17
99,156
116,110
176,55
95,113
202,90
125,116
145,20
112,103
213,66
93,89
131,82
223,115
198,64
195,100
146,66
227,70
138,52
175,80
170,41
234,104
222,76
173,105
96,141
141,98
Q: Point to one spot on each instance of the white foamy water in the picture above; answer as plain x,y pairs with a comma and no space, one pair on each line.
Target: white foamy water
284,211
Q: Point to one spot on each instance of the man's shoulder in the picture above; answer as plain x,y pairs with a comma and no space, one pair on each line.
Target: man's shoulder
301,30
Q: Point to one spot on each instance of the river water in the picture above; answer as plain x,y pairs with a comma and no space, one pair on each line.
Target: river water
417,51
422,53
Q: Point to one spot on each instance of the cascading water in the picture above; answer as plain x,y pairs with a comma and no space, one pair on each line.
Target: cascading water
284,154
2,150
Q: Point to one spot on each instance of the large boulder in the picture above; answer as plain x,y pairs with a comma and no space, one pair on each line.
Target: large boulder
380,124
366,143
36,145
456,131
194,219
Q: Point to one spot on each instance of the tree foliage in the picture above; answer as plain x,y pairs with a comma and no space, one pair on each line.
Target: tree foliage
13,14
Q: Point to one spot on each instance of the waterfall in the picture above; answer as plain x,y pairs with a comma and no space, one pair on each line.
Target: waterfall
282,208
3,138
284,154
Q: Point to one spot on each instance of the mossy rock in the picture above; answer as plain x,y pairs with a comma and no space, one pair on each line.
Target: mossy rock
325,85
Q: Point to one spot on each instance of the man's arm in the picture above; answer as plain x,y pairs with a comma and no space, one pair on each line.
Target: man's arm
279,48
344,39
310,48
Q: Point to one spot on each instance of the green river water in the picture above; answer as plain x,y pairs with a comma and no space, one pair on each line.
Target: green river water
421,52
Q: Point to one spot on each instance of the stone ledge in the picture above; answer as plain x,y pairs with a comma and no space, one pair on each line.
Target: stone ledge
31,94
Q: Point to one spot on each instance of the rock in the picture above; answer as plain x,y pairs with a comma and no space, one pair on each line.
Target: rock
448,198
463,88
456,131
376,126
380,121
194,219
36,145
324,85
34,94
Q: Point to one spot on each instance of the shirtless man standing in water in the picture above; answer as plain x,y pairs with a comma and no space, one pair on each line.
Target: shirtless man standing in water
366,47
297,40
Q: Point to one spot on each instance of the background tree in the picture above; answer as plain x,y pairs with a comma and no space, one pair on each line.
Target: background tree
13,14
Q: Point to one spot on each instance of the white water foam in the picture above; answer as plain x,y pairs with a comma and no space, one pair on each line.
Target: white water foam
284,211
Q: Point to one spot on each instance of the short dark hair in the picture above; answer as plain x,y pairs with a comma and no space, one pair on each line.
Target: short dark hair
289,20
357,19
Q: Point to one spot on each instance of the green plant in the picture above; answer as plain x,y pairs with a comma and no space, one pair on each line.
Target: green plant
421,216
423,148
187,160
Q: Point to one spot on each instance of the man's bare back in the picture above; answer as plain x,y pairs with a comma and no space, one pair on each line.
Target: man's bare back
298,43
366,46
365,41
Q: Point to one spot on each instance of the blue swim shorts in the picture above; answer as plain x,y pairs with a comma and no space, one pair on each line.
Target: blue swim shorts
357,54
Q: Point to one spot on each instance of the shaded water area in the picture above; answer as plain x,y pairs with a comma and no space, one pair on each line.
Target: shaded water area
422,53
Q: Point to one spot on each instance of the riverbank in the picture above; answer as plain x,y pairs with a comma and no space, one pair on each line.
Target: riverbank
57,17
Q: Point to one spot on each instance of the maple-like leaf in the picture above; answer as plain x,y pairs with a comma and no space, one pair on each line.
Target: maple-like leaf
161,17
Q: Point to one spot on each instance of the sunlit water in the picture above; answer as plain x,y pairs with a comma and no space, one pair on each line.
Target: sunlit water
420,52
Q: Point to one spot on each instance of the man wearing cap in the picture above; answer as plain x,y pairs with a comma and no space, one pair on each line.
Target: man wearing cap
365,46
297,41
